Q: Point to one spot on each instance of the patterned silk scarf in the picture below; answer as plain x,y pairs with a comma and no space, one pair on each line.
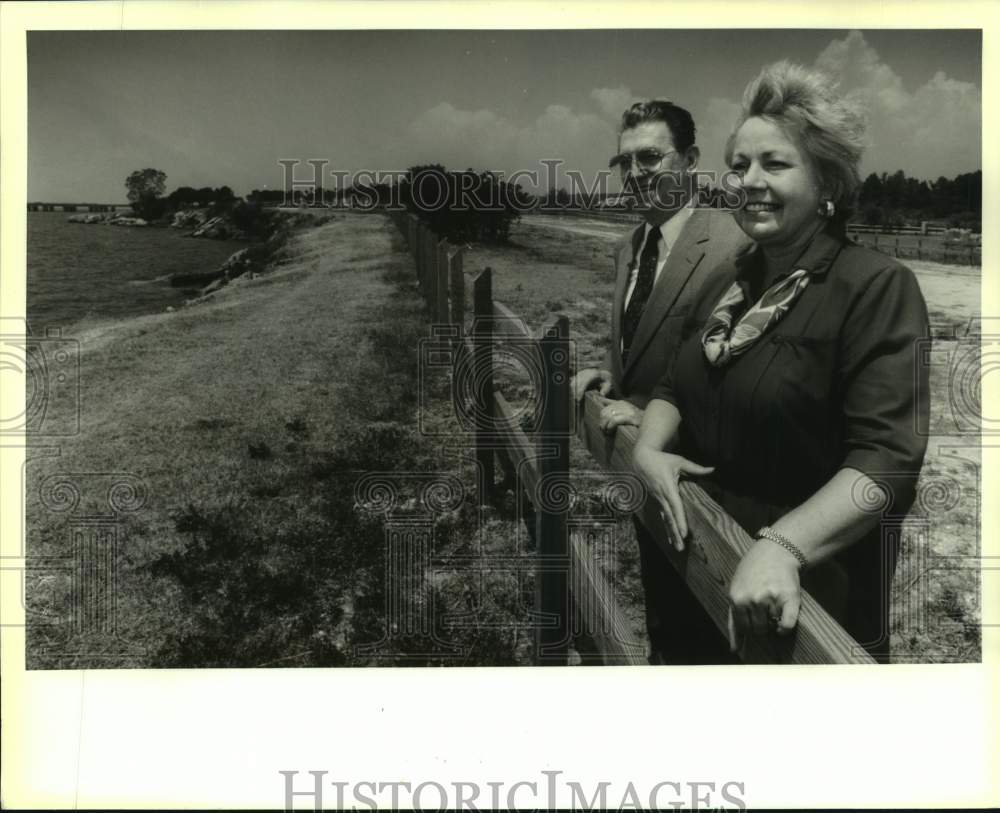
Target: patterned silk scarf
723,341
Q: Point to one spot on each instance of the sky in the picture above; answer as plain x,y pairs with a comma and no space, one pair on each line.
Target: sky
223,107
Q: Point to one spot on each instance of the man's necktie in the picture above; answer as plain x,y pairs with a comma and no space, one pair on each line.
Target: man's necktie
640,294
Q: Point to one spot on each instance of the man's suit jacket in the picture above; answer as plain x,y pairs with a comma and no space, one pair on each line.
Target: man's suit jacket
708,238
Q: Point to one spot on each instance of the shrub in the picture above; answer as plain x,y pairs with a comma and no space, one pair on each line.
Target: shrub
150,207
252,219
872,215
463,206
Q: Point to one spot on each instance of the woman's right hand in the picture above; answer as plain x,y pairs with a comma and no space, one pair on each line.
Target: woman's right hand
662,471
587,379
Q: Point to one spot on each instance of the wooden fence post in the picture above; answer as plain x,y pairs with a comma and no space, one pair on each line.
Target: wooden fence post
432,264
421,256
482,339
552,585
428,266
421,235
458,292
440,309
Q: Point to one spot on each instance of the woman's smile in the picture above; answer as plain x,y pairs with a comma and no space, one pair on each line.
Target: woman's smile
760,208
780,184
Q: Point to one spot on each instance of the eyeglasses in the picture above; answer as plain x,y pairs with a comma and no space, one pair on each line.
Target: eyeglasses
645,159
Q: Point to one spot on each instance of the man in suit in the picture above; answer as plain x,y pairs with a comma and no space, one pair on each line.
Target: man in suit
659,268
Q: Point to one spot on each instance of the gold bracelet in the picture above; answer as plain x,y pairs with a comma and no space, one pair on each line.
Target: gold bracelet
772,535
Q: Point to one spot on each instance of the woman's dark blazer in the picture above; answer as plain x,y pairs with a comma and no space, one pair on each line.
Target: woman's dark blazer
838,383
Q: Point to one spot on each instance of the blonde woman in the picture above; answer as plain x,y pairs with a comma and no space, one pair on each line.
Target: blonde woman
797,395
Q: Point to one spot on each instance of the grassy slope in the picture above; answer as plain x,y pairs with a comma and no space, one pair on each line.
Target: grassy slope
249,417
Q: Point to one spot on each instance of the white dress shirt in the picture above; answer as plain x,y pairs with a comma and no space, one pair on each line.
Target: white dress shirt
666,239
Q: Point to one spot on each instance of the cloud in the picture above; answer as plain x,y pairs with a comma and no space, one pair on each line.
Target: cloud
485,139
714,127
931,131
562,133
928,132
461,137
612,102
862,75
946,119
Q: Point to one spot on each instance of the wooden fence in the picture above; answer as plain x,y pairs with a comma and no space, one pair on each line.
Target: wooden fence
572,592
904,242
924,229
915,246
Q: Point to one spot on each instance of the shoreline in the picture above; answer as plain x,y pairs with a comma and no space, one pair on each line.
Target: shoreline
98,290
99,332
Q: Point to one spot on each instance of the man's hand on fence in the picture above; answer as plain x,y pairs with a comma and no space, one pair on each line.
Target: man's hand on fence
619,413
588,379
662,473
765,593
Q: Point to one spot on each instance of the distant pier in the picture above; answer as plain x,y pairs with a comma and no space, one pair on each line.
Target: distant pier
76,207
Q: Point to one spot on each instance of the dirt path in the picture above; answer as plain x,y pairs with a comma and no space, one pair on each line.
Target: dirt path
579,225
950,291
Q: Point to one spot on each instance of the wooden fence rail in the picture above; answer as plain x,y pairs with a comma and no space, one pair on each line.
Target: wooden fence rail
620,215
716,547
572,593
921,248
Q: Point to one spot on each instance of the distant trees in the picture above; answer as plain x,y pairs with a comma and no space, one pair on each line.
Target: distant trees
895,200
145,188
269,197
145,193
557,199
251,218
186,197
462,206
145,182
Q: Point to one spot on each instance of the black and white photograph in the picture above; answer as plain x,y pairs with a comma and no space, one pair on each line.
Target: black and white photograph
379,348
387,377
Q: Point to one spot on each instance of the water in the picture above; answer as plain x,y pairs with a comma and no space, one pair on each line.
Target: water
91,273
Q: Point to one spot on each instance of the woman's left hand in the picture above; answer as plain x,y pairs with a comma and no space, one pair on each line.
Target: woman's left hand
619,413
764,593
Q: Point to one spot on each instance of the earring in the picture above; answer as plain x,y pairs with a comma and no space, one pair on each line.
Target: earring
827,208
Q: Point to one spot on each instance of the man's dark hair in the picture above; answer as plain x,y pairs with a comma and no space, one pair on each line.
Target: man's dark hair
674,116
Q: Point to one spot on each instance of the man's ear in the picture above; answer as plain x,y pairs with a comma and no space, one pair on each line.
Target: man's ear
691,156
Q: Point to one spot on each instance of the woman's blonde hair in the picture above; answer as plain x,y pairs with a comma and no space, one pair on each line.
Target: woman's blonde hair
829,129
